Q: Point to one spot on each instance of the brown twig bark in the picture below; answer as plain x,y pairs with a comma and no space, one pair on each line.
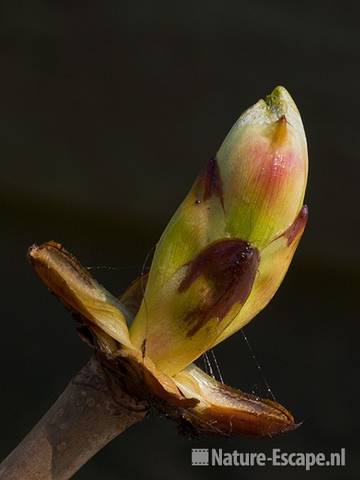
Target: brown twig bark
91,412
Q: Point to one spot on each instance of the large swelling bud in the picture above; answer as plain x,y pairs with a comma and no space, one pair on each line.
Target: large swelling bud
218,263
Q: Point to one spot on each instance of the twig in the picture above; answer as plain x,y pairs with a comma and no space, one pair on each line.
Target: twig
88,414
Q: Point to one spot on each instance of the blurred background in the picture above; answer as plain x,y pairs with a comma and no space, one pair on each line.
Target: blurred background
107,112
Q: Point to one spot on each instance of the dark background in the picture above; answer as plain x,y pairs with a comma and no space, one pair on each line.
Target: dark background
107,112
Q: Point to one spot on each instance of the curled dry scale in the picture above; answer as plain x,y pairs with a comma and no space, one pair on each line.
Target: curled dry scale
218,263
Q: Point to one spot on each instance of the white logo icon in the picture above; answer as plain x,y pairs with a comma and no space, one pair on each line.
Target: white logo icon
200,456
